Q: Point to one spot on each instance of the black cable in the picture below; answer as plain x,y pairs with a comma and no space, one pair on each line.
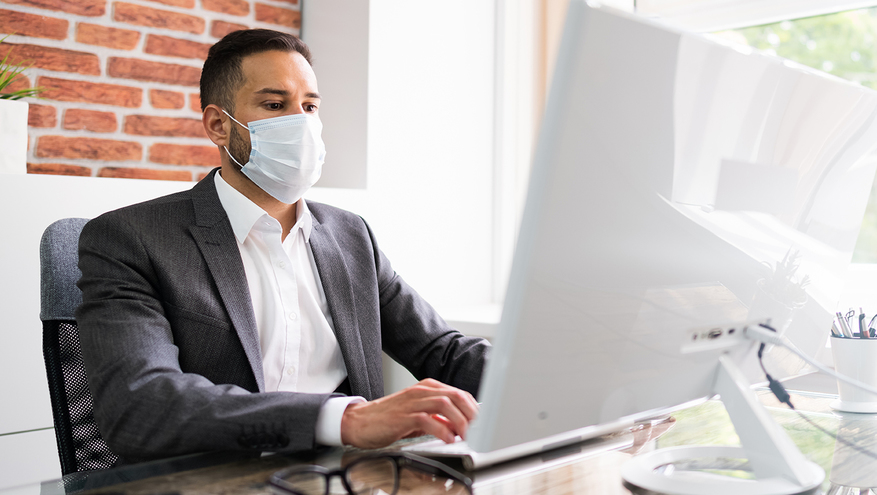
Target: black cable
775,386
779,391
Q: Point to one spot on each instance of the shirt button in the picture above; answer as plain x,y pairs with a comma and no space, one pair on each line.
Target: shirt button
290,371
282,264
292,316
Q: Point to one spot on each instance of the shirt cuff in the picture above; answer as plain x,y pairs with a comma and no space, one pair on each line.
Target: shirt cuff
329,420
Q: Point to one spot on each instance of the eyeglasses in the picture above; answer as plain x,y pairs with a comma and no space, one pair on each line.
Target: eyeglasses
381,474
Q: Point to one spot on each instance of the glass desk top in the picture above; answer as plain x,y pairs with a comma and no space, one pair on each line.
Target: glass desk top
591,467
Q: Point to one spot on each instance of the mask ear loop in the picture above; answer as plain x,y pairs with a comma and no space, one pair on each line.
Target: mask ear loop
232,158
234,119
225,148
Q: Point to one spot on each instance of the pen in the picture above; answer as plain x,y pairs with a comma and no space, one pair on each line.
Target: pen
834,331
851,314
844,325
863,332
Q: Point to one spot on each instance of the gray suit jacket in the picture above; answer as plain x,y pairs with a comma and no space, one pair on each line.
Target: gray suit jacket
169,336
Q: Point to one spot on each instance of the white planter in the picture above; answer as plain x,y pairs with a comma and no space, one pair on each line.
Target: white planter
13,137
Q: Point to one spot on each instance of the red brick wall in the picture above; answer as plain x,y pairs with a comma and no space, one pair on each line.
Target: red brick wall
122,80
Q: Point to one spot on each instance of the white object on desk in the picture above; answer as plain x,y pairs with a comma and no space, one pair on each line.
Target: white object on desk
13,137
857,359
779,467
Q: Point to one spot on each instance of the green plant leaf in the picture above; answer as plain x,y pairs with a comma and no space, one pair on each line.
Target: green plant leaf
22,93
10,72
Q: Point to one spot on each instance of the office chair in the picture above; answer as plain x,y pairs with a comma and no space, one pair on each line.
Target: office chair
80,445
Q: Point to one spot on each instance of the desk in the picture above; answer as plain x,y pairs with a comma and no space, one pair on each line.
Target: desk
593,469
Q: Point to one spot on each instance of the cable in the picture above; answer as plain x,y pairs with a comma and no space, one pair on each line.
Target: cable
770,337
779,391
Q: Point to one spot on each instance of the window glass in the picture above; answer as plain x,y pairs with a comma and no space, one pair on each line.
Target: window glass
842,44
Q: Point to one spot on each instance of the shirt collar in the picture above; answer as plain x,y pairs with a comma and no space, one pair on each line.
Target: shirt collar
243,213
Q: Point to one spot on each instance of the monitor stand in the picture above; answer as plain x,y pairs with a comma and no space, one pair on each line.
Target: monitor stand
779,467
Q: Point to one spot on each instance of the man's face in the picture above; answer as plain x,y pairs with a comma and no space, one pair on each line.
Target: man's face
276,83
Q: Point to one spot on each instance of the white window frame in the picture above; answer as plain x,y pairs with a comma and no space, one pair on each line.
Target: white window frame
717,15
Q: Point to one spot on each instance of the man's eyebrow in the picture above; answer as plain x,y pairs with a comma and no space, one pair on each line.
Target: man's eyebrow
272,91
283,92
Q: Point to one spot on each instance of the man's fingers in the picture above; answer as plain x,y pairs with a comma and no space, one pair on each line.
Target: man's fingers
430,407
431,383
446,407
443,420
432,425
469,405
462,400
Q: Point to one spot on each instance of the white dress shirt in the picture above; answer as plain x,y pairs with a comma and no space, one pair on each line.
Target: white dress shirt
300,352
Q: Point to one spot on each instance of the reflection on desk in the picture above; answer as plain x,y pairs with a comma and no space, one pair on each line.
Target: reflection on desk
590,467
854,464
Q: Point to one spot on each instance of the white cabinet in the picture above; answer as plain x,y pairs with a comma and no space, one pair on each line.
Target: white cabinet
27,458
29,204
13,136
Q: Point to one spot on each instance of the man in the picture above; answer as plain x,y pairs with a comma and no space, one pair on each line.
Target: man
226,316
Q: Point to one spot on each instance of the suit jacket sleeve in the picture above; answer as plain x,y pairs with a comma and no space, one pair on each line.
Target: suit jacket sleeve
418,338
145,404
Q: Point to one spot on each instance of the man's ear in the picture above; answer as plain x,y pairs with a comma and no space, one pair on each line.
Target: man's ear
214,124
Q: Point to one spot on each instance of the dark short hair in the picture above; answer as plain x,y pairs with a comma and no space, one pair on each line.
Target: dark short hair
222,74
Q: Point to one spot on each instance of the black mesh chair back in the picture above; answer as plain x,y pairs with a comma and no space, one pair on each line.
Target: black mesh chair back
80,445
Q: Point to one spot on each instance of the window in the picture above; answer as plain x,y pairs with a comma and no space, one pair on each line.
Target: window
843,44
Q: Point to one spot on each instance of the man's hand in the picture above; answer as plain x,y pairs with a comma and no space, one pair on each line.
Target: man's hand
429,408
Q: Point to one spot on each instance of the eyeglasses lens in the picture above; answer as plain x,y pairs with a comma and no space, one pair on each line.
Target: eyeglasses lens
414,480
373,477
307,483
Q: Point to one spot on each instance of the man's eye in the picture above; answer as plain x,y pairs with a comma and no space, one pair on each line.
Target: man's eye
274,106
310,108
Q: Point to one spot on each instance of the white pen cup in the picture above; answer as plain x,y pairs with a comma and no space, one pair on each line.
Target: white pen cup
857,359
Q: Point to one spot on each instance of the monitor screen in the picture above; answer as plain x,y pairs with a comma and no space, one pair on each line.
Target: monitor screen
681,189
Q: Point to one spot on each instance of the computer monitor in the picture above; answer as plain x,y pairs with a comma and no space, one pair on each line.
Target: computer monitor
682,189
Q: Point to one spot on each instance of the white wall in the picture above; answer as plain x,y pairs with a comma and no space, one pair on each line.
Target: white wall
430,146
337,32
429,194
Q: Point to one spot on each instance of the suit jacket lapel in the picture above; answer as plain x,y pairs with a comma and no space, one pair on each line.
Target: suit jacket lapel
215,238
335,277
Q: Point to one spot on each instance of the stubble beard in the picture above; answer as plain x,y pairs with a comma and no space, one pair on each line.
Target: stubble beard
238,147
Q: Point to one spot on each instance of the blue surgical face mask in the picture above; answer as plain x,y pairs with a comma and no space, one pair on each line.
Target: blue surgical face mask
287,155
